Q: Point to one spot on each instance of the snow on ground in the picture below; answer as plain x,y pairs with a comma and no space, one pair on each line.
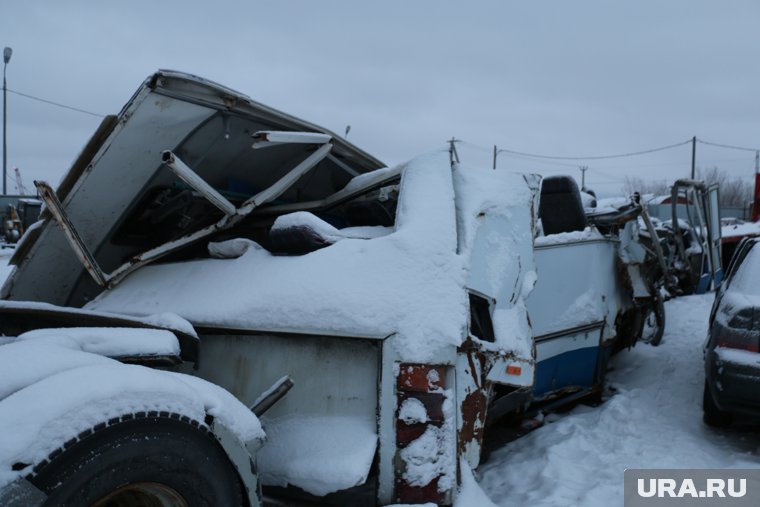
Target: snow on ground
654,420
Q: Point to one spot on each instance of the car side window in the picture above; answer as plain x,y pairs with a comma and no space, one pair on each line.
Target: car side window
741,253
737,259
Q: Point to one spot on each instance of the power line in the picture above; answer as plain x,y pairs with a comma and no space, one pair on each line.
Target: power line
675,164
606,167
728,146
473,145
56,104
608,175
598,157
483,149
542,158
523,157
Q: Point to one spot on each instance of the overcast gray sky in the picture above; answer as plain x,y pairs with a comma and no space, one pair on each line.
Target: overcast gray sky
577,78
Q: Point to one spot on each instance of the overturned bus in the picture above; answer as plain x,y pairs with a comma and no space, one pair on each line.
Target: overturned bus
411,306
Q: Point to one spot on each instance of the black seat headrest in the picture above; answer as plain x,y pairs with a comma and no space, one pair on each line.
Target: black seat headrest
561,208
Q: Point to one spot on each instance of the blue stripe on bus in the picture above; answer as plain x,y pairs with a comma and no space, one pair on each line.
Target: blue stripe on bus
576,368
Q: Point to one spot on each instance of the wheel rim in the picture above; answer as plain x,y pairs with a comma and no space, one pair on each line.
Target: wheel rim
142,494
651,326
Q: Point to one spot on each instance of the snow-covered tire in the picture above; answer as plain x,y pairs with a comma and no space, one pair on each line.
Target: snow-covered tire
711,414
653,326
153,458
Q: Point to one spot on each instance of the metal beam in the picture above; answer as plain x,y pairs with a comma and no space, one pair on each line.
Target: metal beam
286,181
266,138
232,215
77,244
186,174
342,165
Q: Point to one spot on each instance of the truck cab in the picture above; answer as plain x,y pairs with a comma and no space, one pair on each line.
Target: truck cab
412,305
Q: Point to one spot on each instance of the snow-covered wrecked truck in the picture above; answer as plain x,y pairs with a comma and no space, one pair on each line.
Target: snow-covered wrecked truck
411,305
85,424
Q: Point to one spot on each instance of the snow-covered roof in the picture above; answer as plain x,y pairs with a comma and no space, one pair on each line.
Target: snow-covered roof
409,282
742,229
657,199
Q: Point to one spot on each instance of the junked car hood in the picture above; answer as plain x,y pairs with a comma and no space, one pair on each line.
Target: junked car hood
123,200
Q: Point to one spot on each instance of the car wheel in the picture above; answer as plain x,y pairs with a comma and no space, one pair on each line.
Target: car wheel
711,414
150,459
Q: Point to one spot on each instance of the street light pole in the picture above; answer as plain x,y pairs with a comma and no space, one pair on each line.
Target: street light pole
7,52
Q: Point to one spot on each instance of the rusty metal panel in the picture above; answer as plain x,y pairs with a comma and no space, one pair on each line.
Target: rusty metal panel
432,401
408,494
472,405
420,377
425,383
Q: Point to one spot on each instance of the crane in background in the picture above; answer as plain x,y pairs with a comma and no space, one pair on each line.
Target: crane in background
20,188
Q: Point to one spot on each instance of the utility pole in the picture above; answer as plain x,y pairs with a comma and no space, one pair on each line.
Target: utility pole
693,156
495,152
7,52
583,169
453,155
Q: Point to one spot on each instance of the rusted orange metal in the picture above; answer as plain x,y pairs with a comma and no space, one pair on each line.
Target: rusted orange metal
424,383
420,377
419,494
474,406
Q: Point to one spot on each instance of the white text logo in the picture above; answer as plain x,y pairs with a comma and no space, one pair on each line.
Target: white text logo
714,488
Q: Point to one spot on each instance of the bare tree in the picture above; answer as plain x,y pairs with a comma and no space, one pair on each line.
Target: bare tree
734,191
635,184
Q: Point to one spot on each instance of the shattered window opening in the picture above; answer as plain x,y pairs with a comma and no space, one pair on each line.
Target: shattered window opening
481,325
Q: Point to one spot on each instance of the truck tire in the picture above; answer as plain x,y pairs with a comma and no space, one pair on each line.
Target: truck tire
146,459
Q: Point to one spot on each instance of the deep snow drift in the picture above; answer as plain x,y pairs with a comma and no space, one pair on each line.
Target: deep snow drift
653,420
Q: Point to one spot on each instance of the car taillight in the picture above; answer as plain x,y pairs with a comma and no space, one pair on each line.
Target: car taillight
743,331
421,418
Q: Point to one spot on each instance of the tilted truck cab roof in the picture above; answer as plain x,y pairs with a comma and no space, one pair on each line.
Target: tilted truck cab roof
123,200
